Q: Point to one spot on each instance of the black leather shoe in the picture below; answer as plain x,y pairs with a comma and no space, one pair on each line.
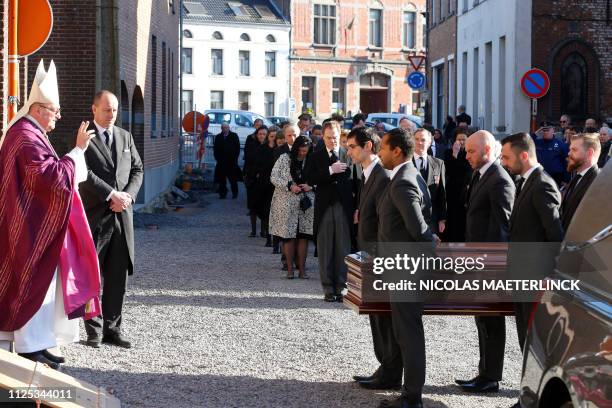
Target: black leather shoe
402,402
378,384
93,342
481,385
339,298
329,297
463,382
117,340
54,358
39,357
362,378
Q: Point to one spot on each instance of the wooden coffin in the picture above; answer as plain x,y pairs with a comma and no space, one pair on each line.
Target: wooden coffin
20,373
360,264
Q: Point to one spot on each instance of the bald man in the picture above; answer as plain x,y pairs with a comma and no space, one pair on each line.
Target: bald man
489,204
114,176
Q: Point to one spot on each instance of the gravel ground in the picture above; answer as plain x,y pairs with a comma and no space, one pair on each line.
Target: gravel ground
214,324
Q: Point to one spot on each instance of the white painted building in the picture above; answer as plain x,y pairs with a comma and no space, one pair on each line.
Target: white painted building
493,52
235,56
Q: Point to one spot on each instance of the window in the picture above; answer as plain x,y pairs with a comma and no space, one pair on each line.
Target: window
308,93
218,118
424,25
439,72
338,94
245,37
172,82
475,82
153,85
243,120
187,60
244,59
244,101
269,103
574,80
171,4
217,35
409,40
464,7
270,38
324,24
187,101
271,64
187,34
217,61
164,90
216,99
375,33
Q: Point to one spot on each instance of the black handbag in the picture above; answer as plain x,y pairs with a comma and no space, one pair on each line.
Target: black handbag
305,203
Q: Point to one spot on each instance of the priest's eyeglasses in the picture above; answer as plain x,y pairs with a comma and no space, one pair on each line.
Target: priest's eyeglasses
56,112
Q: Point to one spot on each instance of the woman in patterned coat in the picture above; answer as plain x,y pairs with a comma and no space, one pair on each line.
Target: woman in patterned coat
292,210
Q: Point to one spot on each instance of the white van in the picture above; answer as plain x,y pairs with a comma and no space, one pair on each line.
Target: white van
394,118
241,122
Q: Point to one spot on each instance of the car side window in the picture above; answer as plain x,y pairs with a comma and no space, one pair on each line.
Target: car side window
242,120
218,118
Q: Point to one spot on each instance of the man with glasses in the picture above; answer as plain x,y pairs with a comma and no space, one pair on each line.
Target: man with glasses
42,213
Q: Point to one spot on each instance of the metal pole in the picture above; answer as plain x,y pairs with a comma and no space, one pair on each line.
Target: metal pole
13,60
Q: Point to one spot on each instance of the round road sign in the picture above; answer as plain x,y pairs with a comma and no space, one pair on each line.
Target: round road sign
535,83
416,80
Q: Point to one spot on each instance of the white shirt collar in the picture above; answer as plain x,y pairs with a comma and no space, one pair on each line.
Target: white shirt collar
101,129
368,170
485,167
336,151
29,117
528,172
585,171
396,169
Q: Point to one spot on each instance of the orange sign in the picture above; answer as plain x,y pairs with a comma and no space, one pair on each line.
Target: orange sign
34,25
188,122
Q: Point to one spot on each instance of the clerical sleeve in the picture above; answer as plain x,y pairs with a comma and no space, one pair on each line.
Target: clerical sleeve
80,167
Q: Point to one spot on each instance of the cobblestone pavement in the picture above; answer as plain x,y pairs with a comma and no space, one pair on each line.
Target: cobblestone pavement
214,324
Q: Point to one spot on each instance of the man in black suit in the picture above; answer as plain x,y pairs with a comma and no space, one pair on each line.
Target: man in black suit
226,150
582,159
400,220
362,148
535,218
463,117
114,177
333,212
488,208
434,173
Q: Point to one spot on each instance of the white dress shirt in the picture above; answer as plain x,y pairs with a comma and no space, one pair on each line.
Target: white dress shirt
396,169
368,170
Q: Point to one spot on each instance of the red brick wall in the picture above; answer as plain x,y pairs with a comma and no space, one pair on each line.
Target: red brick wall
352,53
72,45
559,28
154,18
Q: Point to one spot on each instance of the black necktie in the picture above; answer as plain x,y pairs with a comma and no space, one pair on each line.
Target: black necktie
519,187
107,139
571,187
473,182
333,158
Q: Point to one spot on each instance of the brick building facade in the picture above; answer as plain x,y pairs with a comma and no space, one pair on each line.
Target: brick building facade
351,57
441,62
574,46
130,48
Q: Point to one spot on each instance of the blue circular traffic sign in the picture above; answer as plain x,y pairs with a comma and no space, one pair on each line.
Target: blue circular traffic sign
416,80
535,83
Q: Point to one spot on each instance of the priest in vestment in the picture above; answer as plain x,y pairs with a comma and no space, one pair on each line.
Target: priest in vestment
49,273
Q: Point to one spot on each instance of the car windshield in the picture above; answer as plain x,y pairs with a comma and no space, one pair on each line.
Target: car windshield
391,121
218,118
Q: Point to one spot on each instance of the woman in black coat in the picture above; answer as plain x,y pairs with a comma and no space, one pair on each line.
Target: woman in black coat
251,148
264,189
458,175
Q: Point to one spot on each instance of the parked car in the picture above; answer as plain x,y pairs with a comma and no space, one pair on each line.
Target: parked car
394,118
568,351
277,120
348,124
240,122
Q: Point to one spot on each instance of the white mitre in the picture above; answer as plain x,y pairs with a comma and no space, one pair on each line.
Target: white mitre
44,90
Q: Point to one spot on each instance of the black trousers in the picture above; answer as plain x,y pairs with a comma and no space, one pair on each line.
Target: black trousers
114,259
492,344
386,349
222,176
408,330
522,312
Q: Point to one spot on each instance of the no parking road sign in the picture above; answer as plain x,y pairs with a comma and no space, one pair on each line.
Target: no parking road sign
416,80
535,83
